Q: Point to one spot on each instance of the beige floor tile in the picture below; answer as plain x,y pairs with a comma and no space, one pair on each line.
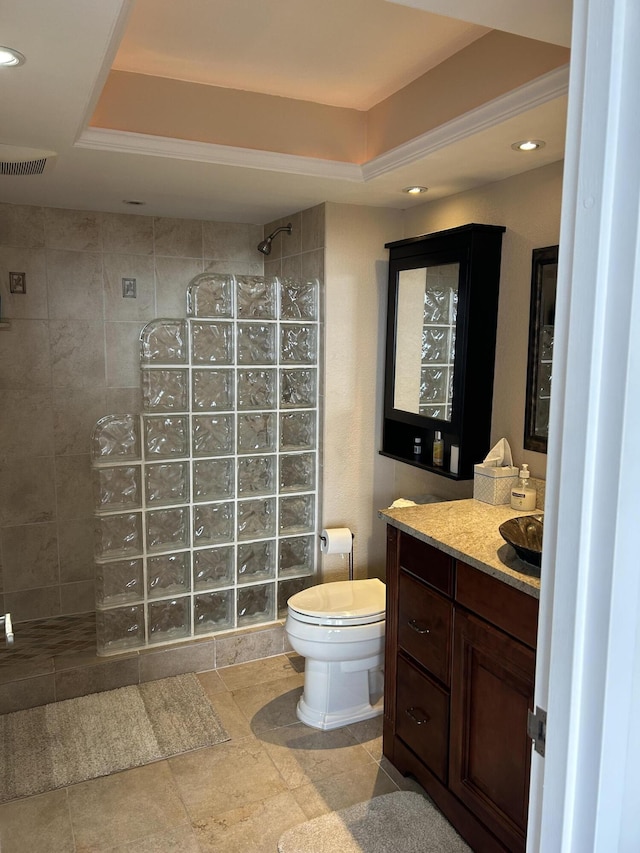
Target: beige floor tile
180,840
271,705
235,723
369,734
223,777
211,682
251,828
256,672
37,824
125,806
405,783
303,754
345,789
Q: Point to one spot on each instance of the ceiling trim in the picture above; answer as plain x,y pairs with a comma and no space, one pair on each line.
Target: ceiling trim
548,87
543,89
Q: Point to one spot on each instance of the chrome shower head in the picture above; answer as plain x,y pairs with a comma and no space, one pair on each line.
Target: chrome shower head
265,246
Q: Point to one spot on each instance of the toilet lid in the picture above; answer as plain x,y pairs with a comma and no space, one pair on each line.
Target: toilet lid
341,602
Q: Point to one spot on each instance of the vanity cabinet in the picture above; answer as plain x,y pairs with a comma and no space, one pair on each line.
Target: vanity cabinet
441,334
459,679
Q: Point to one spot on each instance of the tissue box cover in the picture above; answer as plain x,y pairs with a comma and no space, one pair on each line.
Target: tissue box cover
492,484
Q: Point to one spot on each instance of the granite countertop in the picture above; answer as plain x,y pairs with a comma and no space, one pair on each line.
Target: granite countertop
468,531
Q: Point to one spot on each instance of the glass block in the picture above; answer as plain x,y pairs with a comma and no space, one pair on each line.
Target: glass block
256,604
165,437
168,574
452,344
439,412
256,297
544,380
256,561
213,611
167,483
256,475
213,480
256,389
546,343
433,385
116,436
212,389
169,620
296,556
257,432
298,431
298,473
256,343
165,390
213,524
118,582
435,344
117,488
163,342
436,305
542,417
120,629
117,535
297,514
256,518
213,435
298,344
210,295
298,388
213,567
286,589
298,300
211,343
167,529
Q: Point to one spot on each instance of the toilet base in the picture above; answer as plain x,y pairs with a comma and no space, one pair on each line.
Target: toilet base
335,694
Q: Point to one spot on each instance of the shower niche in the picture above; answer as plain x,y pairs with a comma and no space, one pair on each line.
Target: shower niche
206,504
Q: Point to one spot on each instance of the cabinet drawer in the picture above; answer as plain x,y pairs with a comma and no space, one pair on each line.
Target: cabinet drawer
422,719
426,562
424,626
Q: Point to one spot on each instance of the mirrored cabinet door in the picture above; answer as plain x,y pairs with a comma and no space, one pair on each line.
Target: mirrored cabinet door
441,326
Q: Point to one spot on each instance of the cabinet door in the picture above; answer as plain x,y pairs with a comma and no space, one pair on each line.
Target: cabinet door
490,752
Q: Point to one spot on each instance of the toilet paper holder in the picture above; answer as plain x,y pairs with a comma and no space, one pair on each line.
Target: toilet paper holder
333,542
7,627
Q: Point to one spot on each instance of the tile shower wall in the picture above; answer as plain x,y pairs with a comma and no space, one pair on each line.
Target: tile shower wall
71,356
206,503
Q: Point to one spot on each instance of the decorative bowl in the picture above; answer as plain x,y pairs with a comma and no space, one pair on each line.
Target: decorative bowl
524,534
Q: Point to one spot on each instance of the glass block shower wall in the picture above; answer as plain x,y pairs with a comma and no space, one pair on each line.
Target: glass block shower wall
206,504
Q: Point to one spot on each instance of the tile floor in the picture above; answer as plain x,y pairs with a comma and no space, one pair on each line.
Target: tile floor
236,797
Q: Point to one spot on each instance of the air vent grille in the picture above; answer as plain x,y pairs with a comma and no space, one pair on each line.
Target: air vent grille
28,167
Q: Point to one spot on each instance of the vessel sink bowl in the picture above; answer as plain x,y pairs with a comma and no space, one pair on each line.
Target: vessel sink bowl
524,534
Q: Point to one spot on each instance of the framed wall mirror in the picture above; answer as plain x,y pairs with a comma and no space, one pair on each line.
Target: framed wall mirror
544,274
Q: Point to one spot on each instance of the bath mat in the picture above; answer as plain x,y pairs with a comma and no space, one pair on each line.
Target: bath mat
403,821
78,739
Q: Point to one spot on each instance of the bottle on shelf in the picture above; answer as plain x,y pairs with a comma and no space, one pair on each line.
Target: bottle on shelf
438,450
417,448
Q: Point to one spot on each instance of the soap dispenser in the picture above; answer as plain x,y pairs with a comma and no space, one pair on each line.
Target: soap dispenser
523,496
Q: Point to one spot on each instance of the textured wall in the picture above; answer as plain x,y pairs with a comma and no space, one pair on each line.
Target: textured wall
71,356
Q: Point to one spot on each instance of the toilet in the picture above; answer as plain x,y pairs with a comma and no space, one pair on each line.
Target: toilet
339,629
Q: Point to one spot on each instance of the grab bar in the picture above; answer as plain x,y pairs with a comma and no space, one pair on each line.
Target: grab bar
5,622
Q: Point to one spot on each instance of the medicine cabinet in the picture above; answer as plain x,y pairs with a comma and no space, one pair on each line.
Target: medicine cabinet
441,336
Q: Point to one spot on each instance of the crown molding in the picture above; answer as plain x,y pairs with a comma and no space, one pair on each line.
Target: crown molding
548,87
543,89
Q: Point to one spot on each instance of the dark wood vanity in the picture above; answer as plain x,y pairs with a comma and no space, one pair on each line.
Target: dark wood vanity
459,680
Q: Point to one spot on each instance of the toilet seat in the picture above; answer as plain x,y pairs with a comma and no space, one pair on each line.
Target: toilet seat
341,603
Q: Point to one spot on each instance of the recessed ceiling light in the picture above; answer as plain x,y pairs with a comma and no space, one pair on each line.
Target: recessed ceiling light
415,190
132,201
9,57
528,145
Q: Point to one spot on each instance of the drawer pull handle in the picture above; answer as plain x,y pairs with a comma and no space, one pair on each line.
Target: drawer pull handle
418,627
419,720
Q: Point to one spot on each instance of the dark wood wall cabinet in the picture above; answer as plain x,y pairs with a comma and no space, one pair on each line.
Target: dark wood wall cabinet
459,680
441,335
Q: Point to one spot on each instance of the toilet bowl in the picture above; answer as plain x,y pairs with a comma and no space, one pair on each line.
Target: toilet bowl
339,629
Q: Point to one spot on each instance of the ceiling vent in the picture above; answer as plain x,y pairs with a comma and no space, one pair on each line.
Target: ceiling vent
18,160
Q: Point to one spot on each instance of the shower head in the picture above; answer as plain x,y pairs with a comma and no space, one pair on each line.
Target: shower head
265,246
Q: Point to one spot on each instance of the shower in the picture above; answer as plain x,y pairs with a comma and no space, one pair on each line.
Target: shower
265,245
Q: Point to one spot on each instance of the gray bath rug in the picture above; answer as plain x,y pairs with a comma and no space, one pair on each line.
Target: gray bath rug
402,821
78,739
